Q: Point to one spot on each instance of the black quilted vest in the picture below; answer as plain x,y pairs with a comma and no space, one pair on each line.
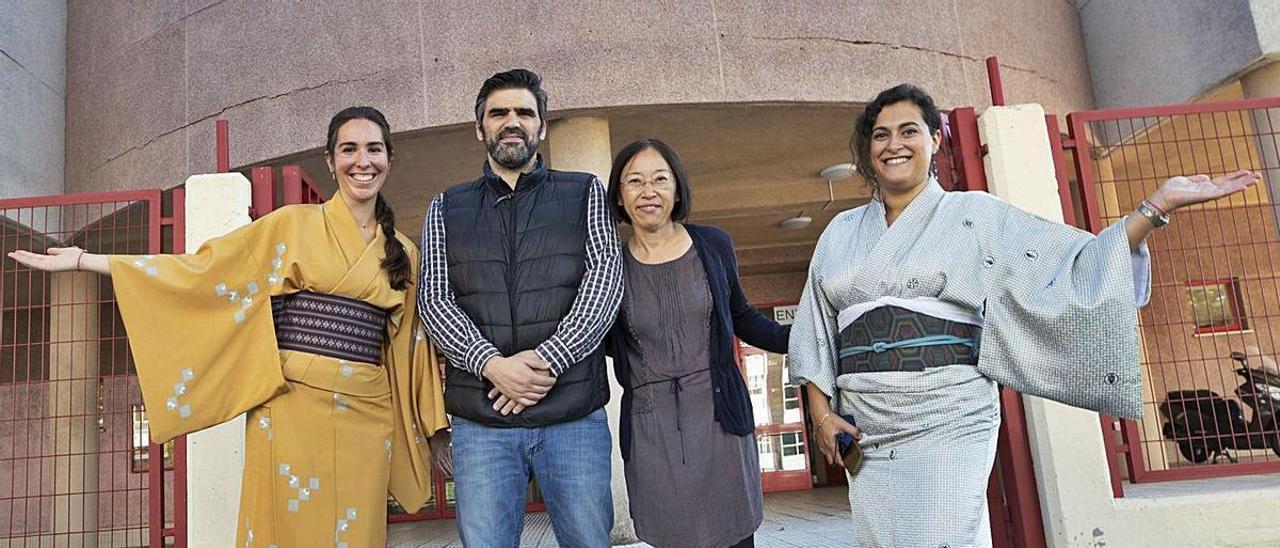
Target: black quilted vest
516,259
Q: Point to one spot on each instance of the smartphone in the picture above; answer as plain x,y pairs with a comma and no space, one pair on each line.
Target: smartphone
850,451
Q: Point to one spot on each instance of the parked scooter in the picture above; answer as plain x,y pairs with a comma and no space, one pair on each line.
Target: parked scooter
1204,424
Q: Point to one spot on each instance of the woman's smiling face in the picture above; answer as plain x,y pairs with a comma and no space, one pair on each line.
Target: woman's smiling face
902,147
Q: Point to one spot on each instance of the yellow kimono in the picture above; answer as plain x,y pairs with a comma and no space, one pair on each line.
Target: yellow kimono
325,438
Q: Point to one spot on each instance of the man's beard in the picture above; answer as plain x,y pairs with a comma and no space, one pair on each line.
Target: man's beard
512,155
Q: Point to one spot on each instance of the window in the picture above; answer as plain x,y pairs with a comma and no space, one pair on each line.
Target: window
792,444
764,448
790,397
791,412
1216,306
141,440
756,384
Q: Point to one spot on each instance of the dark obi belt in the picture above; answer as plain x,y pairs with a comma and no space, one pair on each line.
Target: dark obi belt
891,338
329,325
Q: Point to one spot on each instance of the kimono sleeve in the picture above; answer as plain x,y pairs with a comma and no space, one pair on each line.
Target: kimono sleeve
811,352
417,400
200,327
1060,319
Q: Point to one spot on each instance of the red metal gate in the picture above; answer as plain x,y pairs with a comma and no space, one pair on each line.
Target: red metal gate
76,465
1214,276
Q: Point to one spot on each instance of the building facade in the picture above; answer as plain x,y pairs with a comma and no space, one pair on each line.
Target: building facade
758,98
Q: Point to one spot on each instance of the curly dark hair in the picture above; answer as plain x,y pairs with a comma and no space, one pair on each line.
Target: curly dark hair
861,141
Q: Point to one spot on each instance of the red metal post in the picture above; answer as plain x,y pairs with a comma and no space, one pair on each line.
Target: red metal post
998,510
177,220
155,502
262,180
1060,170
293,191
1084,173
155,453
1058,147
994,80
1113,451
179,445
1014,452
967,149
299,188
223,145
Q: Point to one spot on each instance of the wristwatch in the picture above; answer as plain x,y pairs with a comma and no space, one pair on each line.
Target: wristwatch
1158,218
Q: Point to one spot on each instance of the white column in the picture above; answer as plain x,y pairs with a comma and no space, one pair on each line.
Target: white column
73,406
582,144
216,204
1070,463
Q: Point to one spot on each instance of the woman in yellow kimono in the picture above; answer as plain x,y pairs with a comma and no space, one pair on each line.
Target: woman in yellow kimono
304,319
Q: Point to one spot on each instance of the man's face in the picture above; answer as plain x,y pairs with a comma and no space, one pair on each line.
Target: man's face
510,128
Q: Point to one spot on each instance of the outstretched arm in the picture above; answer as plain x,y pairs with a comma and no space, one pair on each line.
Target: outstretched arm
1179,192
63,259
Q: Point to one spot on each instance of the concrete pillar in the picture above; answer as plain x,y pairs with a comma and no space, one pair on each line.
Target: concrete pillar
1066,443
1071,466
1265,82
582,144
216,204
73,407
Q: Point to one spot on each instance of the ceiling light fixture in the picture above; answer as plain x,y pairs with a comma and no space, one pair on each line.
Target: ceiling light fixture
836,172
796,223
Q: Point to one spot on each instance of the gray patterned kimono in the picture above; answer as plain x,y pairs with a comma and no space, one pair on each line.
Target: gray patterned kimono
1057,307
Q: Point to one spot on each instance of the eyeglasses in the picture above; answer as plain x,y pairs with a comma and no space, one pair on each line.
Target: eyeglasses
661,183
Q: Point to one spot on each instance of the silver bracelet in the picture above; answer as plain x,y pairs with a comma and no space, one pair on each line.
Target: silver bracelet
1158,219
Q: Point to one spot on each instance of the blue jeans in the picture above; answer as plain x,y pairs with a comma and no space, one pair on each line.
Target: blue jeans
570,460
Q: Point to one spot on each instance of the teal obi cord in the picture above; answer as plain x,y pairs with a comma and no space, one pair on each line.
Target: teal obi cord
932,340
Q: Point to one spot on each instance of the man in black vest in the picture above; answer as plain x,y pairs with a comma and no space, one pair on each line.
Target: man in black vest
521,279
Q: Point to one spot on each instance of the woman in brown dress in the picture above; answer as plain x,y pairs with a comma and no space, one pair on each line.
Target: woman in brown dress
687,433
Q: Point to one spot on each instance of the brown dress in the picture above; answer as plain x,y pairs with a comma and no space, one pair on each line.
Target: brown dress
690,482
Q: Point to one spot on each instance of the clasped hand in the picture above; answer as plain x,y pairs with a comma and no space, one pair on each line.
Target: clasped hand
519,381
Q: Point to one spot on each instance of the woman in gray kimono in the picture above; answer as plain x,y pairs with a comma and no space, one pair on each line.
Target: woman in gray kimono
920,302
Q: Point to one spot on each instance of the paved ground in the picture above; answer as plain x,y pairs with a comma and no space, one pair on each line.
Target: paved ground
812,519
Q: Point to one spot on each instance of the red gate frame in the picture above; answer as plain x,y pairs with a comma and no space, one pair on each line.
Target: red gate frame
156,530
1129,449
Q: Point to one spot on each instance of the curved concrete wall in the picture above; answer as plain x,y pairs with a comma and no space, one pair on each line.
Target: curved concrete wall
1149,52
145,83
33,36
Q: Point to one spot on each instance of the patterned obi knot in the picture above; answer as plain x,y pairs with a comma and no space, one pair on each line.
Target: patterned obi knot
891,338
329,325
